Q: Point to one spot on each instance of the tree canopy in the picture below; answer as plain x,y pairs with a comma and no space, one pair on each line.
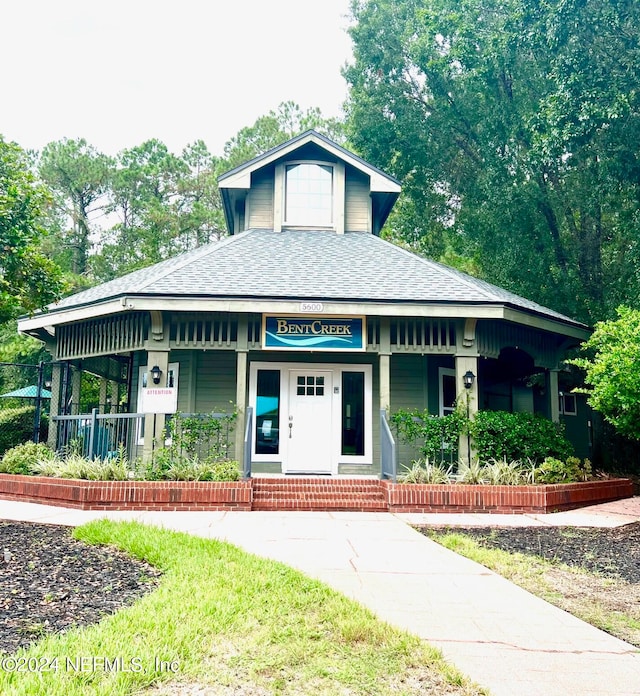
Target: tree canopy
612,371
28,279
512,140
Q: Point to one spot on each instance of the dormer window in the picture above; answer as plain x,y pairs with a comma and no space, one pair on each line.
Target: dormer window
308,193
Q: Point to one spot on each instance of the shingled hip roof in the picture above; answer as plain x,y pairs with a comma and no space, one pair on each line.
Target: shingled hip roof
304,264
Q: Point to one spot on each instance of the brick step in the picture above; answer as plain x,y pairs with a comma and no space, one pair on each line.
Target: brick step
317,485
321,506
306,493
318,495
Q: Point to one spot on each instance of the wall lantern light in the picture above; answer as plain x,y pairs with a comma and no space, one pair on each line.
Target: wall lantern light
155,374
468,379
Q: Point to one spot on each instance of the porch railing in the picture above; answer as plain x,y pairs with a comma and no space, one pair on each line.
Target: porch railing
388,455
99,435
246,454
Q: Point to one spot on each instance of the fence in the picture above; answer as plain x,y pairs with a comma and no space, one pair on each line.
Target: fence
99,435
24,403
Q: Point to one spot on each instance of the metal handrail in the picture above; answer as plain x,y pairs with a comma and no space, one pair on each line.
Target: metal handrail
246,454
388,455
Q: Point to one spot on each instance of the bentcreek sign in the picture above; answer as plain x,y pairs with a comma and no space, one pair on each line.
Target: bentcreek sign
313,333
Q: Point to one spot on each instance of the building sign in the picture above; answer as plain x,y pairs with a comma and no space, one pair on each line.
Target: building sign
159,400
313,333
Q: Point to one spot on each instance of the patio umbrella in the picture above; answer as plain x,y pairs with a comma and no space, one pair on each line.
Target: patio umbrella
30,392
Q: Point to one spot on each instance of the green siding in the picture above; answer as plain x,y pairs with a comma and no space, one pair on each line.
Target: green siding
409,385
216,381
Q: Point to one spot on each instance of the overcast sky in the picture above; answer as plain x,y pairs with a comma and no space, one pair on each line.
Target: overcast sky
122,71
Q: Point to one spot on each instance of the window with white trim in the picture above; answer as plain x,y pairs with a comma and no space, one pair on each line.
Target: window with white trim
447,391
308,194
568,404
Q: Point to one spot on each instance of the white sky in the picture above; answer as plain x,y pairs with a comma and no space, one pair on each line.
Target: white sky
120,72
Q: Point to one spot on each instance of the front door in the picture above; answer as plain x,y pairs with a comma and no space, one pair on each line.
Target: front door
308,424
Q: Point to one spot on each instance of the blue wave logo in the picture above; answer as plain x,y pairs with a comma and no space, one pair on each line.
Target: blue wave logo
309,341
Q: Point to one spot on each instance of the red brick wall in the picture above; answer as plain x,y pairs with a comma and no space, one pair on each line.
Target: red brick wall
308,494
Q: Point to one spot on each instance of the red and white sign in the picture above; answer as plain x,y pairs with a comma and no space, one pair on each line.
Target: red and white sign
159,400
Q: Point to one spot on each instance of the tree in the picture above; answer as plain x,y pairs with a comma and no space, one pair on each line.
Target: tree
28,280
78,175
275,128
612,371
511,140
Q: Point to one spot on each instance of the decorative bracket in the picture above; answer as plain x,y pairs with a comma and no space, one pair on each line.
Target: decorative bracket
157,325
469,337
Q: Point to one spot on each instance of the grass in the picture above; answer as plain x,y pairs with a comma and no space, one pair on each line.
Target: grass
584,594
224,618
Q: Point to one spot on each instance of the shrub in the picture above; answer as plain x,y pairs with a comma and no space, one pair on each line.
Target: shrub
436,436
554,470
500,435
16,426
75,466
500,472
227,470
472,473
423,471
205,436
22,459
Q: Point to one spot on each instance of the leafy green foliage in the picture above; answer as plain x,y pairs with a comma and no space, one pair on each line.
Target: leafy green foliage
23,459
16,426
612,373
423,471
517,436
198,445
28,279
77,466
203,470
437,437
512,141
275,128
554,470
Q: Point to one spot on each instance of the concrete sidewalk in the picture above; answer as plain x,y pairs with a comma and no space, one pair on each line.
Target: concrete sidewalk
502,637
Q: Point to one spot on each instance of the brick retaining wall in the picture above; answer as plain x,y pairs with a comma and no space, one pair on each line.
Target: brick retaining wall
308,493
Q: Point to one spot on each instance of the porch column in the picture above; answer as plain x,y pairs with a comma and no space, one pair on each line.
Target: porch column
384,358
469,398
242,354
54,407
154,422
552,391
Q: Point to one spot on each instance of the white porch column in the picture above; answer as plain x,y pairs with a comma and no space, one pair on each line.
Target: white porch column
242,354
552,391
384,358
468,398
154,422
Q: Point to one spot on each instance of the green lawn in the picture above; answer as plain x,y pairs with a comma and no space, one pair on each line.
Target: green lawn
222,617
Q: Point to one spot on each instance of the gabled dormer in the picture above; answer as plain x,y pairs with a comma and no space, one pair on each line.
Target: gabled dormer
309,182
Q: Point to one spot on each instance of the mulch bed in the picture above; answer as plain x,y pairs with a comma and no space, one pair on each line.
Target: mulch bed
50,581
611,553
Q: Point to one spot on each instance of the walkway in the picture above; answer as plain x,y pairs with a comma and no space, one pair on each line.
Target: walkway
502,637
